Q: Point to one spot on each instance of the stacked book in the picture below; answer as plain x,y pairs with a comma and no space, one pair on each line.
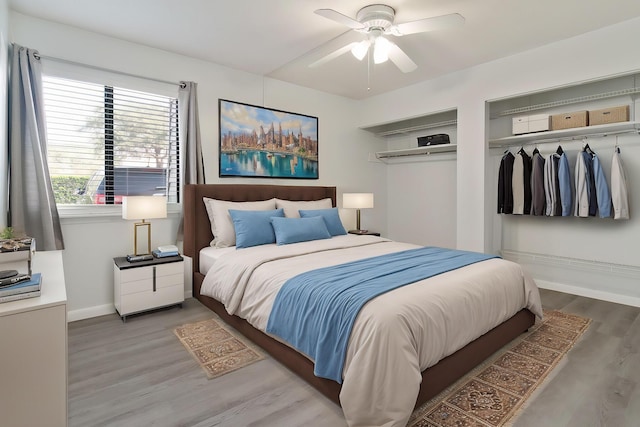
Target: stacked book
165,251
20,286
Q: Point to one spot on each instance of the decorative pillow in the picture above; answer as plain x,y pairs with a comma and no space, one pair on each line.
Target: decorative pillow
330,217
253,228
294,230
291,207
222,229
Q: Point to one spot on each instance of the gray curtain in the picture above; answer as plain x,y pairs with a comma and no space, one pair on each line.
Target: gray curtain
192,166
32,207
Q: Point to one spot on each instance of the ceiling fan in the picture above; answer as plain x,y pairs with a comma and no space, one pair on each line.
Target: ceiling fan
376,22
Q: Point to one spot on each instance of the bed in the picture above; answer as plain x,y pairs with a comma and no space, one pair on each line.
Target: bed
359,410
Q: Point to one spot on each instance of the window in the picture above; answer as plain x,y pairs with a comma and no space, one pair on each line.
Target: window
106,142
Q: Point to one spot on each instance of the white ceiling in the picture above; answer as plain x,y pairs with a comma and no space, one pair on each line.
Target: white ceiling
280,38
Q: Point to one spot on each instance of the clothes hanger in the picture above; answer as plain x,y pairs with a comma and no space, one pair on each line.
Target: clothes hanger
560,151
616,148
535,149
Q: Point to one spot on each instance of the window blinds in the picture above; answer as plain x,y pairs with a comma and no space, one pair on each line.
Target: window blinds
106,142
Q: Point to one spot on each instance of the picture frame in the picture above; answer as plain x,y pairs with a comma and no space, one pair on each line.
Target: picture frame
261,142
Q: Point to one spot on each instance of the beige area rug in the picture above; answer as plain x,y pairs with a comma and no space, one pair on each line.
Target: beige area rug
216,348
493,393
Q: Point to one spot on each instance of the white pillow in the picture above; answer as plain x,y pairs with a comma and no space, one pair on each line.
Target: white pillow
291,207
224,234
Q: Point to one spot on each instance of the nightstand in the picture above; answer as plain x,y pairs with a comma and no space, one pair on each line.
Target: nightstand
146,285
364,232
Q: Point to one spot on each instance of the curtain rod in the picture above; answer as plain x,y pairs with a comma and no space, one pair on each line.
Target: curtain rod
95,67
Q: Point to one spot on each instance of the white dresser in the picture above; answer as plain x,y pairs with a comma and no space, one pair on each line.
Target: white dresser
146,285
33,351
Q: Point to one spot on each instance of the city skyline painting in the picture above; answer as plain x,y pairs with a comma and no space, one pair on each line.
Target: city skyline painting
264,142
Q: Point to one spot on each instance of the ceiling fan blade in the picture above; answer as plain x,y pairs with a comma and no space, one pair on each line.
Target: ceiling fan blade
339,18
333,55
401,59
428,24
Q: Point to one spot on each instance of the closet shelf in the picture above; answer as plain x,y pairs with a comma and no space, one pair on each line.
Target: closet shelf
417,151
580,99
559,135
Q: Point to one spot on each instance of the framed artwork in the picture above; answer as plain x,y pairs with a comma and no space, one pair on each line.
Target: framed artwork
266,143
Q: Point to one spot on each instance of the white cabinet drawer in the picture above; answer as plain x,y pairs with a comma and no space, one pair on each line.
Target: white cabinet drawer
146,273
142,301
147,285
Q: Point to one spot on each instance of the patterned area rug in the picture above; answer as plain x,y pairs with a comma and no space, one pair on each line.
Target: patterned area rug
216,348
492,394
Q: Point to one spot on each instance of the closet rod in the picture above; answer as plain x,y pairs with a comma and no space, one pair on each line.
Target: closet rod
95,67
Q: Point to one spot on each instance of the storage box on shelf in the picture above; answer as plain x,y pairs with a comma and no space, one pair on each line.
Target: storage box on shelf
576,119
530,124
609,115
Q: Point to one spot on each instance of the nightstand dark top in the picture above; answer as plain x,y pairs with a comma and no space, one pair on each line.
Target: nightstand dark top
123,264
364,233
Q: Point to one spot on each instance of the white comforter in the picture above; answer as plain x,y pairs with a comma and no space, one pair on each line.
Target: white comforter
396,335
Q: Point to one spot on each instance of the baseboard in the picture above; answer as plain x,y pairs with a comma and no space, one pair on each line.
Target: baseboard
589,293
101,310
89,312
589,278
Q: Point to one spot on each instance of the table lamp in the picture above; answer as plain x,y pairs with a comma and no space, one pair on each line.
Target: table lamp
143,208
357,201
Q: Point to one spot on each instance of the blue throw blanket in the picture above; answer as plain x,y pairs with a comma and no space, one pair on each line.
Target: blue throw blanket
315,311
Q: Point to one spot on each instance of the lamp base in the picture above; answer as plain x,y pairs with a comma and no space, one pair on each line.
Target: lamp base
358,231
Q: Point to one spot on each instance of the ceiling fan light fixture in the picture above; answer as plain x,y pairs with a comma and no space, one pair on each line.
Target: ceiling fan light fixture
381,50
360,49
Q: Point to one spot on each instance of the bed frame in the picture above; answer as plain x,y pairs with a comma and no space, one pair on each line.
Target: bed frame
197,235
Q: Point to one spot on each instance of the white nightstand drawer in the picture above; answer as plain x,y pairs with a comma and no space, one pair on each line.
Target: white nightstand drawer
141,301
146,285
146,273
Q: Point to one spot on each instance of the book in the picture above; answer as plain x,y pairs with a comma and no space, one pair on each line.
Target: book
10,281
159,254
31,285
16,297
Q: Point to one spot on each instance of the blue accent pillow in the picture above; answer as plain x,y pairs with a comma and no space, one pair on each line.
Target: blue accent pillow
330,217
294,230
254,228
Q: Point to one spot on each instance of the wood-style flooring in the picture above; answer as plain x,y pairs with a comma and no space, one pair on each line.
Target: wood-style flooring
137,374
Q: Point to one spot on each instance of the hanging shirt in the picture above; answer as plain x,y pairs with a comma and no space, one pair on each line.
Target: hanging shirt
581,207
517,185
538,200
564,184
603,195
619,189
591,183
549,186
505,191
526,168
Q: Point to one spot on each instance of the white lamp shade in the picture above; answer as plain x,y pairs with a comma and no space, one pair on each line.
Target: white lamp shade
357,200
144,207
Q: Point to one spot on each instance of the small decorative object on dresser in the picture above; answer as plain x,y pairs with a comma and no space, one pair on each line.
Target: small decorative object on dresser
146,285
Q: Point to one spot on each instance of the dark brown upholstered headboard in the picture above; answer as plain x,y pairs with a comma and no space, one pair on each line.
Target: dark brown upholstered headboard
197,229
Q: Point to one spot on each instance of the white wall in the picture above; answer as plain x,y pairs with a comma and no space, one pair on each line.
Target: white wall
590,56
91,243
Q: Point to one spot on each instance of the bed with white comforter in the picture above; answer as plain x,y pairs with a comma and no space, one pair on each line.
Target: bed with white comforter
397,335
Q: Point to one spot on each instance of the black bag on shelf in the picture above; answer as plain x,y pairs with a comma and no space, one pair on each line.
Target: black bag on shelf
439,138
